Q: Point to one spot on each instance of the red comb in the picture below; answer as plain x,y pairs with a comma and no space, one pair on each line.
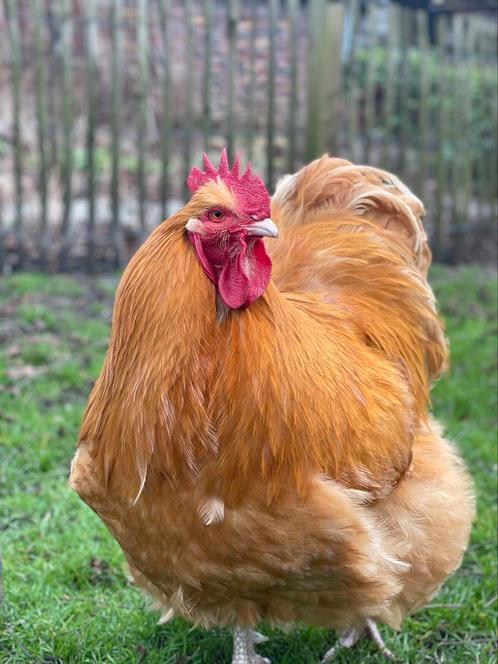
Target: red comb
248,188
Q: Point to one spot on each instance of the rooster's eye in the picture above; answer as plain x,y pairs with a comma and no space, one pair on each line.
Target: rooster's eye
216,214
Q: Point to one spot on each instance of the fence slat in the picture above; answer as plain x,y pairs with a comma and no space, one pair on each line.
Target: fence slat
441,170
116,101
143,84
351,72
369,93
91,93
15,81
232,17
270,122
41,117
67,121
314,140
294,12
189,82
462,147
166,106
206,84
404,98
492,95
251,88
424,87
390,88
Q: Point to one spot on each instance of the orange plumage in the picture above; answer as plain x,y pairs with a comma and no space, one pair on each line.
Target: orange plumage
278,461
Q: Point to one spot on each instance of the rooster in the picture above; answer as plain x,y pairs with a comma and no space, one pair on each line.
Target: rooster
259,441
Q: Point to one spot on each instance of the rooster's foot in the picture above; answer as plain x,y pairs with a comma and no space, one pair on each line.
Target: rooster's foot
348,638
244,641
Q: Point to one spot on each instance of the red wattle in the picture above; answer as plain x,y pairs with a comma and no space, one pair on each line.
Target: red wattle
233,283
245,278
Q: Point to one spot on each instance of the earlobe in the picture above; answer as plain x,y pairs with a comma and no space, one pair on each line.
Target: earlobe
194,225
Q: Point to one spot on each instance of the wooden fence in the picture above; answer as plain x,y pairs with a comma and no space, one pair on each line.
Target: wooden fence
107,104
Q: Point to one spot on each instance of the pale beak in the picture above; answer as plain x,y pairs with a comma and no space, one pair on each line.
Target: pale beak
265,228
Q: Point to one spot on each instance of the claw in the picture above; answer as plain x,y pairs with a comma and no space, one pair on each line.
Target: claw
348,639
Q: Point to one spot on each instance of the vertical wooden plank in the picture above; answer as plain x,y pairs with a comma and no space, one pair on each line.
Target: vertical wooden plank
324,76
15,83
424,86
232,18
316,19
441,169
493,166
390,86
462,148
351,73
167,106
270,119
67,122
143,79
116,102
41,118
404,102
369,117
91,94
53,56
251,88
331,67
206,83
294,14
189,83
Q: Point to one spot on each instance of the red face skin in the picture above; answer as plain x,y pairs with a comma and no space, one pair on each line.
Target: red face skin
228,242
232,256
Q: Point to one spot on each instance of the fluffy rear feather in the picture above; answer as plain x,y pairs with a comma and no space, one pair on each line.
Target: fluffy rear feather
352,235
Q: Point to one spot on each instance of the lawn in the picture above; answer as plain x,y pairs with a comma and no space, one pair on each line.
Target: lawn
66,597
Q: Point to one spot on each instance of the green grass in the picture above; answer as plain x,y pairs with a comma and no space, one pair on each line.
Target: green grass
66,595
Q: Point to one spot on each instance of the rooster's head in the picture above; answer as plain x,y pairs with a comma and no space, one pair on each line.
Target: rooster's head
231,214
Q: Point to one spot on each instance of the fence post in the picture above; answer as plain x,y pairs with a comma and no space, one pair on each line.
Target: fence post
270,120
351,71
404,90
294,12
116,101
441,172
15,77
41,116
424,85
390,93
187,133
91,81
143,79
369,93
232,17
167,107
206,84
251,88
324,75
67,121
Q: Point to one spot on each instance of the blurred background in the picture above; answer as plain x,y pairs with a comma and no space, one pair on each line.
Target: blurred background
106,105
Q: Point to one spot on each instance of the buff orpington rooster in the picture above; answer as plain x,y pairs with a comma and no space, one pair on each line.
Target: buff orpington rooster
259,441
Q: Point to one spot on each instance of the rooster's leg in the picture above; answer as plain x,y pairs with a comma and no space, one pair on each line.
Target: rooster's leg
244,641
374,634
348,638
